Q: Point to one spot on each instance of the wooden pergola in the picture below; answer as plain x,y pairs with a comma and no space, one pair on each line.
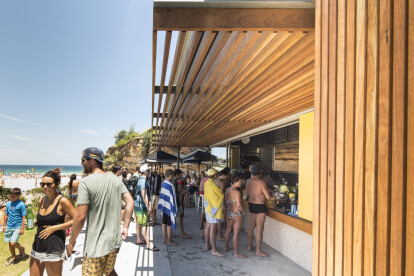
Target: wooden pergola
227,63
353,61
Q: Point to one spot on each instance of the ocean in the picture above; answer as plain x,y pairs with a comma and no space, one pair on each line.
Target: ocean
65,169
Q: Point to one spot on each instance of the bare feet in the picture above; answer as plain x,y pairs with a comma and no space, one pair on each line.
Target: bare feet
185,236
216,253
261,254
220,238
22,253
240,256
227,248
172,243
251,247
208,247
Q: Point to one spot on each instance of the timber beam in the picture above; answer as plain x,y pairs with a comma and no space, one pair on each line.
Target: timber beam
234,19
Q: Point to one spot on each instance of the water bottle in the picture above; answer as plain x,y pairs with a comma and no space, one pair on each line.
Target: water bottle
30,218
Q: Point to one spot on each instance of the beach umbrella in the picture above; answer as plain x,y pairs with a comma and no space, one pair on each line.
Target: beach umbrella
159,157
199,156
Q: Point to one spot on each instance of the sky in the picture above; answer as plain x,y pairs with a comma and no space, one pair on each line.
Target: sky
72,74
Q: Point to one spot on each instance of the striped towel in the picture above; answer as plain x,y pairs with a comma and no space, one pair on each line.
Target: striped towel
167,202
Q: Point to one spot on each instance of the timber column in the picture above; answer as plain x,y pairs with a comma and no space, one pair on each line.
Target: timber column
364,168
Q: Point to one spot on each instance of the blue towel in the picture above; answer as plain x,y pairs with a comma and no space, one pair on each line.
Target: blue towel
167,202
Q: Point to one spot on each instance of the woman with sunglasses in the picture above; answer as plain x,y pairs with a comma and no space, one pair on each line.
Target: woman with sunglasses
49,244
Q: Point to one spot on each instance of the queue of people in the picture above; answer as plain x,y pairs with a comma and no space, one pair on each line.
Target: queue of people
104,201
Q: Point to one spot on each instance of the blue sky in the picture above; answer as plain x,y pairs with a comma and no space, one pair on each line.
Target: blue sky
72,74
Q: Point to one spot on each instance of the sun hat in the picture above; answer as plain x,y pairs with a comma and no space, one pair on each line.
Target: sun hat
94,153
144,168
212,172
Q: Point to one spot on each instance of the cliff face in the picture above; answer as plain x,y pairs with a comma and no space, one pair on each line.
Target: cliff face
129,154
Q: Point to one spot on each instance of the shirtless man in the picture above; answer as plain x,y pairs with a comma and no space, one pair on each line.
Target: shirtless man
256,190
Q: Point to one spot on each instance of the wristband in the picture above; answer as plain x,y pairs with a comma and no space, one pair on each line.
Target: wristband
59,227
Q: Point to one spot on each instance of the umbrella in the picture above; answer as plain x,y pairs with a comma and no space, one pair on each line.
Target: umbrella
199,156
160,157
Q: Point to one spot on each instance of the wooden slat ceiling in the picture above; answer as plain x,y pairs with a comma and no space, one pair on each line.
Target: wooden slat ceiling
223,83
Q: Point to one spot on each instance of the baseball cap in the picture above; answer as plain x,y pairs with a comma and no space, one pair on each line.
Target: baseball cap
144,168
94,153
212,172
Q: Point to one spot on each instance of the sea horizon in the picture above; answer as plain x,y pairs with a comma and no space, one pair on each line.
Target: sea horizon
65,169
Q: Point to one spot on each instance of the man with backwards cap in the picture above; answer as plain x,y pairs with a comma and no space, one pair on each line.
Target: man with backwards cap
256,190
100,197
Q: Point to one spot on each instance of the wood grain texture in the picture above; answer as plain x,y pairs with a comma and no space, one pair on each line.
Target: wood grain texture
349,137
317,143
340,139
323,214
332,102
301,224
154,59
211,19
409,264
384,141
371,130
359,172
398,176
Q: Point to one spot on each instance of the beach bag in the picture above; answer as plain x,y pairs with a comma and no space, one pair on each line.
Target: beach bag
131,186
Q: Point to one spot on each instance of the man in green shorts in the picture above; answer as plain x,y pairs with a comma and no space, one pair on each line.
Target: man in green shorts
141,208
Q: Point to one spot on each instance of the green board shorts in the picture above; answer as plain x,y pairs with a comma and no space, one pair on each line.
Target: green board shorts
142,215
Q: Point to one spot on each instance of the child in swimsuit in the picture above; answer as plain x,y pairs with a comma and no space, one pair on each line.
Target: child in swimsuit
234,214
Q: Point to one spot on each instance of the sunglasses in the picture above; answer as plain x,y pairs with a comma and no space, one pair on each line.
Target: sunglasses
49,184
83,160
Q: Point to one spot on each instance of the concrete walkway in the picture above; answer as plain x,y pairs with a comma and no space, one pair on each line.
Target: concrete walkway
189,257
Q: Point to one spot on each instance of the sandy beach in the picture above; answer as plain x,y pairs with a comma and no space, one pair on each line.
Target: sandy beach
28,182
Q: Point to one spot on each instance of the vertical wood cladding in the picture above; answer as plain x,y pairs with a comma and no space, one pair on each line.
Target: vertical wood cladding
363,207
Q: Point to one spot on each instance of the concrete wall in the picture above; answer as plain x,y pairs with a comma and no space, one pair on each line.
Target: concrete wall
291,242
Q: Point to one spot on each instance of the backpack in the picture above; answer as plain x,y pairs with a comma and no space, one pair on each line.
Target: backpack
131,185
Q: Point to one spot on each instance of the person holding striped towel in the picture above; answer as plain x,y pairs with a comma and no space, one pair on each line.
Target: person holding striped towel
168,205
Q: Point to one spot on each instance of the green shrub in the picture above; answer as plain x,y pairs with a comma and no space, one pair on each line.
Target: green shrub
35,191
22,198
35,203
4,196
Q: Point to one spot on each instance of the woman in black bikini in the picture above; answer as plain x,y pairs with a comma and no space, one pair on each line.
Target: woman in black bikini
49,244
234,214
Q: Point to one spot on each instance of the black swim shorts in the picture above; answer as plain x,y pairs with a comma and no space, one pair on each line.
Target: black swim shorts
166,219
257,208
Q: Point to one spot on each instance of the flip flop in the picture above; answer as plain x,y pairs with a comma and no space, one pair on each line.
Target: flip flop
144,242
9,262
152,249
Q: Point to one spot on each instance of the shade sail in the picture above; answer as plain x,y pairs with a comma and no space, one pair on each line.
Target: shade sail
160,156
199,156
